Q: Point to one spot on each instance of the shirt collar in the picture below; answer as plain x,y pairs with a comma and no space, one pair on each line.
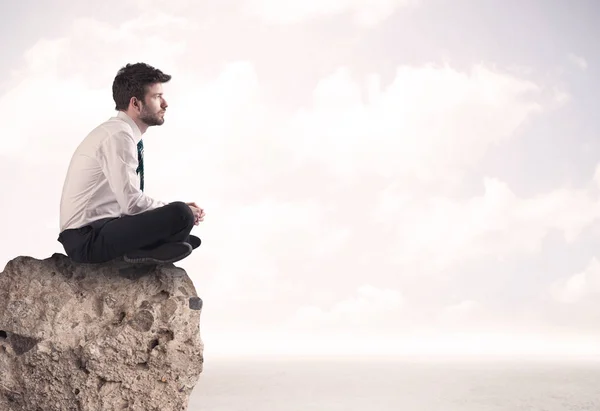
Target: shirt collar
137,134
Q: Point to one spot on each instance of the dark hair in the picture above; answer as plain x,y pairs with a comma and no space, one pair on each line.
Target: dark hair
133,81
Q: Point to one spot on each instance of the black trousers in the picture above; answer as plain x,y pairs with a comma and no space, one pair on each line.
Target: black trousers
108,238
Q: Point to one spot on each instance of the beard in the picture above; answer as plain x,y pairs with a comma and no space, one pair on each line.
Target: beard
151,119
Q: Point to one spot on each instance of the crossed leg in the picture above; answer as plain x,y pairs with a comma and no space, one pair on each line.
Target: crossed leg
116,237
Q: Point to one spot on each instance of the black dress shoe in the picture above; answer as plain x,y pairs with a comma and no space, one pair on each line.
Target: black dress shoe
193,241
164,253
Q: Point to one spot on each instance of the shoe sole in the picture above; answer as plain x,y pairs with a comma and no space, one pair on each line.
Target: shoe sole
156,260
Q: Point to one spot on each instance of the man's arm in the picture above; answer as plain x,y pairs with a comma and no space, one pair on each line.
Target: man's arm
118,159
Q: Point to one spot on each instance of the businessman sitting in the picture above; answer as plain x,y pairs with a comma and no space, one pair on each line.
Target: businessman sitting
104,212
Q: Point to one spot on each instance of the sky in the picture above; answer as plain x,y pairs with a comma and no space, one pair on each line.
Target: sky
391,177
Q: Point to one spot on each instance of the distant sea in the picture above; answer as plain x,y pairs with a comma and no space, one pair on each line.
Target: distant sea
397,385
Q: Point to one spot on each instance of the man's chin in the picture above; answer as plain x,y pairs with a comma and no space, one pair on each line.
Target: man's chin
154,122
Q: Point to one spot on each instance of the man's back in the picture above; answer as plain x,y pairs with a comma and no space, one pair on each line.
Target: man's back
101,181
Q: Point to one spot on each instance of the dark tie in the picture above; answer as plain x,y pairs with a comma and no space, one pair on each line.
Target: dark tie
140,169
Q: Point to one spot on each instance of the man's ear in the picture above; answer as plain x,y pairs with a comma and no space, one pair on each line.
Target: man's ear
135,103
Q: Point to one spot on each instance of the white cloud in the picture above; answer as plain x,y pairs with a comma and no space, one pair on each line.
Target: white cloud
596,178
460,313
438,232
427,120
578,61
56,113
580,287
362,309
244,252
365,13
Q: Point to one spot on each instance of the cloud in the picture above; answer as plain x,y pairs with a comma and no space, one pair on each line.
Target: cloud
244,250
580,287
460,312
440,232
365,308
427,120
578,61
364,13
569,304
58,111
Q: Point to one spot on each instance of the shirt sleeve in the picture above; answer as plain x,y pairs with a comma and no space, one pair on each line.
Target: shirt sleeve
118,158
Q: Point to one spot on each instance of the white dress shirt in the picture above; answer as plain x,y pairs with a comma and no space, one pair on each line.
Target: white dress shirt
101,179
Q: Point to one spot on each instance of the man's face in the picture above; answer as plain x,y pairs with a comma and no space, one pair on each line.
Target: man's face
153,109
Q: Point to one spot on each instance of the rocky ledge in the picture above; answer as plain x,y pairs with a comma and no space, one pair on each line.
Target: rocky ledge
85,337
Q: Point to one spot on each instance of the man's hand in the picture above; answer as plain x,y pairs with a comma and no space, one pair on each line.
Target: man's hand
198,212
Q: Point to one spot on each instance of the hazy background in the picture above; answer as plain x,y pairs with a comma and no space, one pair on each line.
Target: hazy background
379,176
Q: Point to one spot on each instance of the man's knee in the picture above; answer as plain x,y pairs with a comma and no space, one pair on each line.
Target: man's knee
183,213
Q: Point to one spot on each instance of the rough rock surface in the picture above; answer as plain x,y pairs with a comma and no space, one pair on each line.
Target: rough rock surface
111,336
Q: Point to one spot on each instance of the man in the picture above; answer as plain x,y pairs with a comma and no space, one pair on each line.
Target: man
104,213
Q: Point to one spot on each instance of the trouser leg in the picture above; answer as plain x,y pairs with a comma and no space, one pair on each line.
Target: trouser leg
107,240
170,223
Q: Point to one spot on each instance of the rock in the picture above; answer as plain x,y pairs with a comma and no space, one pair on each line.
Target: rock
102,337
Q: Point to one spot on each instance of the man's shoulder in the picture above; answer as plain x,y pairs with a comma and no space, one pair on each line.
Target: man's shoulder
116,125
111,130
113,127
